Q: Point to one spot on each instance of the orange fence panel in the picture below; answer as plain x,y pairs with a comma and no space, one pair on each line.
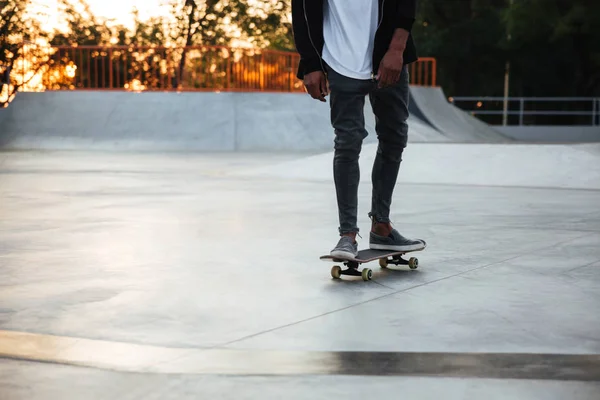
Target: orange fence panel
423,72
193,68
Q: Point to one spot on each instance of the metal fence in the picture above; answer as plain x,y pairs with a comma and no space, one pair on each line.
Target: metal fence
533,110
193,68
423,72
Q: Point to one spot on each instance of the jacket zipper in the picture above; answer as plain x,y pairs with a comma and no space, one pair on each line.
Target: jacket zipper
381,16
309,35
378,25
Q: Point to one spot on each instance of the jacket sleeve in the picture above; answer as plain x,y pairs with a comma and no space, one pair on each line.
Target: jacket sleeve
406,14
307,25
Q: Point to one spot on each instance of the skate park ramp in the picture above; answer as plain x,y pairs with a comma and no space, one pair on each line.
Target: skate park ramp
514,165
150,121
430,105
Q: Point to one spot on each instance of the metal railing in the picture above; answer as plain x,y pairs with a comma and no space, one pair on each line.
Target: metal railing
160,68
423,72
570,111
194,68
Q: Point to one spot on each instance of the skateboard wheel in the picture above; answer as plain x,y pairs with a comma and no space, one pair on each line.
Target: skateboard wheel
336,272
383,262
413,263
367,274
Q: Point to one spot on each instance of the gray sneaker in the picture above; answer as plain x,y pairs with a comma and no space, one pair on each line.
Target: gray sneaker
346,248
395,242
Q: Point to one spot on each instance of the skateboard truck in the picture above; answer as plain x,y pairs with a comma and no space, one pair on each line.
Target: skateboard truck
352,270
384,257
413,262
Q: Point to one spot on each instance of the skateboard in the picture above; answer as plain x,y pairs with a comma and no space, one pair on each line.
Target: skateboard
385,257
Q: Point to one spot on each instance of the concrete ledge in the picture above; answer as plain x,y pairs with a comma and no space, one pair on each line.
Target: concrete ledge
152,121
552,134
565,166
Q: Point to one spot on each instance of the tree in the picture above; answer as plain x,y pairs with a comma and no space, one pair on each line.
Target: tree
83,27
279,35
554,47
217,22
464,37
20,56
151,32
82,55
173,50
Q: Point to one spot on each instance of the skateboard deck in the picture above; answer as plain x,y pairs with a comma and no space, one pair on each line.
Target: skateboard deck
385,257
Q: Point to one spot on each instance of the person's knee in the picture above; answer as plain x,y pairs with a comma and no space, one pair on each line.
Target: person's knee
348,144
391,150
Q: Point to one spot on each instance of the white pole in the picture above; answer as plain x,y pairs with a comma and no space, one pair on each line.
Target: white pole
506,81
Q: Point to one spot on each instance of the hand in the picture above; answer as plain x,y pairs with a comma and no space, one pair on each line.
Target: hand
390,68
316,85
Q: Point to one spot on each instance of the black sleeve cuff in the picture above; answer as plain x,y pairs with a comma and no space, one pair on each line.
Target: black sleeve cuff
405,23
313,64
308,65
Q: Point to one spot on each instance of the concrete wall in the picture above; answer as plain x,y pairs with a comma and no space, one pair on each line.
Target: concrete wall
153,121
165,121
3,112
552,134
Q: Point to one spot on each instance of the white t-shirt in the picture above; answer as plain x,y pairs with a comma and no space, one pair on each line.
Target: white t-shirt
349,31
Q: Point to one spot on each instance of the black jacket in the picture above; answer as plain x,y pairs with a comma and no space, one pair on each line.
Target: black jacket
307,22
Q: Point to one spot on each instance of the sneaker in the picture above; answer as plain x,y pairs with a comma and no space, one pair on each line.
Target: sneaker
395,242
346,248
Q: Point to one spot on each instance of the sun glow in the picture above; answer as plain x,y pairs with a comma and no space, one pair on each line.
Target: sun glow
116,11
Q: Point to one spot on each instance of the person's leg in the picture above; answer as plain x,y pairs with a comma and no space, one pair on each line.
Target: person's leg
390,106
347,100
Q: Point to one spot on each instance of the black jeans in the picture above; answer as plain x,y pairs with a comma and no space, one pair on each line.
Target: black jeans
390,106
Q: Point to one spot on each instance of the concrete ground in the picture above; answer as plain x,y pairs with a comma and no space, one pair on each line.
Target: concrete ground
152,276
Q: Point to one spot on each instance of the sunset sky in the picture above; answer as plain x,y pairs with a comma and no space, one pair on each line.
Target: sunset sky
117,9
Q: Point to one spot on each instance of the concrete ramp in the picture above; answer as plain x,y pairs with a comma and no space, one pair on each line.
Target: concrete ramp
493,164
431,106
151,121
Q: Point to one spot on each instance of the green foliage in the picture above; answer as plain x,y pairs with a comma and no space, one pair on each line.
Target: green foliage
554,47
218,22
463,36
